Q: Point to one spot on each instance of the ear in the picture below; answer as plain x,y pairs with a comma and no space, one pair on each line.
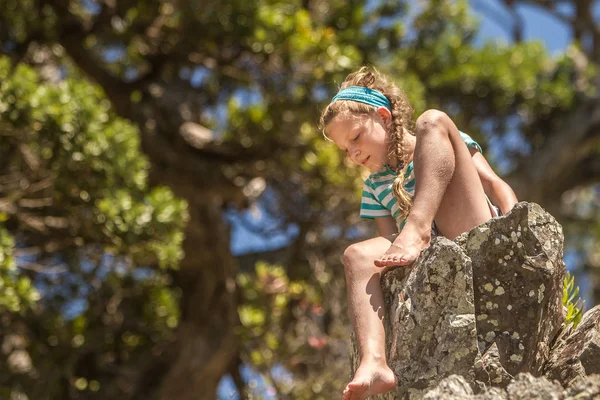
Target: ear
385,114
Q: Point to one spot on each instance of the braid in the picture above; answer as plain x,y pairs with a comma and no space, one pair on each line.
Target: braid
397,135
401,121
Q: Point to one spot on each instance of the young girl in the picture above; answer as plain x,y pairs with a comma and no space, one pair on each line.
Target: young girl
432,180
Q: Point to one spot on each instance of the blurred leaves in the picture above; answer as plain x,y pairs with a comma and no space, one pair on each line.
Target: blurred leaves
16,292
282,325
85,244
144,228
99,246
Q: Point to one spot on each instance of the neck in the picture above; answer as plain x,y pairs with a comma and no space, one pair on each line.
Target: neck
408,146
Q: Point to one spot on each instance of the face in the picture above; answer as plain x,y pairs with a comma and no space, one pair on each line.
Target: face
363,137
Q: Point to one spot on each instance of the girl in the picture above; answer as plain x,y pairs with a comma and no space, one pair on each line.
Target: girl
424,182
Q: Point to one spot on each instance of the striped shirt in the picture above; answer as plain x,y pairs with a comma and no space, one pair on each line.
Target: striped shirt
378,199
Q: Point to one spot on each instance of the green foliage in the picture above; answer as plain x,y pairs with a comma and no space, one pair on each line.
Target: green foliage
270,299
571,301
97,162
17,293
280,326
97,244
144,228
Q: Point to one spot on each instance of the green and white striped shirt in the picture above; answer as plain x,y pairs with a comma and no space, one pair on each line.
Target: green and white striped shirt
378,199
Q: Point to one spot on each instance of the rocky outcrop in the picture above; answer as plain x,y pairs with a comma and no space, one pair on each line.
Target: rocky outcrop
523,387
518,273
577,354
489,369
431,333
485,308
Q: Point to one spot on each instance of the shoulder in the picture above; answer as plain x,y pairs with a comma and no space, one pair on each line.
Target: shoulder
369,185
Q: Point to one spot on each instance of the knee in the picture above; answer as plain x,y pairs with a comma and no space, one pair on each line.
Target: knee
356,256
431,122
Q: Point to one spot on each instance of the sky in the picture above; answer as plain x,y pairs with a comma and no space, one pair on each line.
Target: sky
538,25
494,20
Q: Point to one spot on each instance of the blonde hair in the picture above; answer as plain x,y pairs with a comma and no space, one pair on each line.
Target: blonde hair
401,118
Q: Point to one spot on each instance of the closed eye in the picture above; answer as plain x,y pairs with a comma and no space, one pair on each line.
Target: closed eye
356,137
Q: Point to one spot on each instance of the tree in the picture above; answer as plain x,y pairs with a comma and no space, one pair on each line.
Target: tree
224,98
94,243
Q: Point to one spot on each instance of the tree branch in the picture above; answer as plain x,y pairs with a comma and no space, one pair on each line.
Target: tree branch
549,6
584,173
564,161
517,26
234,371
43,269
71,36
102,18
483,6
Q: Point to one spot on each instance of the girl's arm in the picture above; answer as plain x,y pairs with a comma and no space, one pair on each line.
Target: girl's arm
386,226
495,188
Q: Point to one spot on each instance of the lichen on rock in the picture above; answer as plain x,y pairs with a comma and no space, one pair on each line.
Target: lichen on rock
471,314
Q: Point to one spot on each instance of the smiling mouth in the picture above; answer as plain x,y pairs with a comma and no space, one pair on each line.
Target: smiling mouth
365,160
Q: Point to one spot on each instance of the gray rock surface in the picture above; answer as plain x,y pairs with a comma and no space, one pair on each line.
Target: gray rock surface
452,387
577,354
489,369
523,387
484,308
431,330
518,273
584,388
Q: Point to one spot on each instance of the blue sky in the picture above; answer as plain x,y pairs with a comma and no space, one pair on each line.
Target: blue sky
537,25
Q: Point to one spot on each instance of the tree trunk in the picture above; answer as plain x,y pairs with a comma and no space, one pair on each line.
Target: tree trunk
206,341
566,160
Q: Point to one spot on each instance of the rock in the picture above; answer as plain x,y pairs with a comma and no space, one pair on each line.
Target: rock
523,387
489,369
578,354
518,273
452,387
484,307
431,330
584,388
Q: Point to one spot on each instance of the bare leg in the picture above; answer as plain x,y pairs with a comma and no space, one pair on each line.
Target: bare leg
366,309
448,189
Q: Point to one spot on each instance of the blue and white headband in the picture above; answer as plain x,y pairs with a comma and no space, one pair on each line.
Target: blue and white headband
364,95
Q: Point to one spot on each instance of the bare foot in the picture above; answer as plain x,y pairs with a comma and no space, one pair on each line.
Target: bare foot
405,249
370,379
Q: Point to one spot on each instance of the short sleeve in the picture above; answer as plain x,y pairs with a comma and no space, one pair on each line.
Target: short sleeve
370,207
470,142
